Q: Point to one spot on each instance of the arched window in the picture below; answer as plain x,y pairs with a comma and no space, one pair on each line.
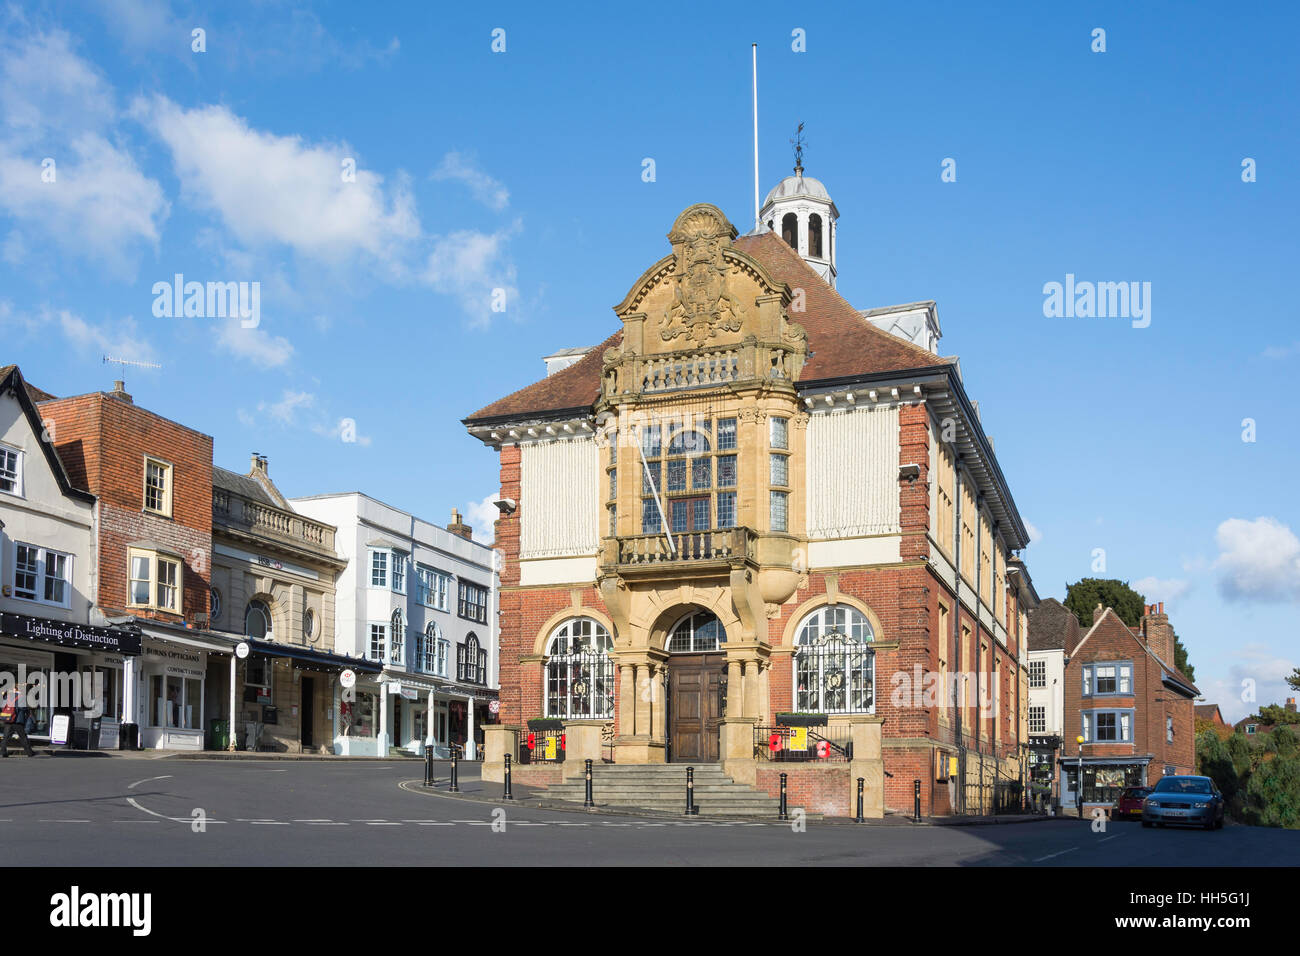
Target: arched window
815,235
427,655
790,229
696,632
257,621
579,670
396,638
834,666
471,661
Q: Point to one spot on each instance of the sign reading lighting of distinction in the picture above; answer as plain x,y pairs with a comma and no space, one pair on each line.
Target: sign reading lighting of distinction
111,641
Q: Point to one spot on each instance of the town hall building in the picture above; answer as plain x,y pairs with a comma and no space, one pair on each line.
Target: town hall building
754,508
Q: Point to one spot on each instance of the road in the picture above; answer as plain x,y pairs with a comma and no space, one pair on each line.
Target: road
136,811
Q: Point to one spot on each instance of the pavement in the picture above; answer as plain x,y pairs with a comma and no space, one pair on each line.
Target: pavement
149,811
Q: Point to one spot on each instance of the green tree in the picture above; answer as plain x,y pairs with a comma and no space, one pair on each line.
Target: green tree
1284,741
1180,660
1294,679
1273,794
1241,753
1278,716
1083,596
1214,761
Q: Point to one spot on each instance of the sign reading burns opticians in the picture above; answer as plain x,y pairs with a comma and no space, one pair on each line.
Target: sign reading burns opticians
109,640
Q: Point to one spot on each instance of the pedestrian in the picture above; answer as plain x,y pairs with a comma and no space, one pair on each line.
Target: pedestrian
14,718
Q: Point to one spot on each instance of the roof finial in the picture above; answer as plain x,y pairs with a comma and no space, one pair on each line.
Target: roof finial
798,143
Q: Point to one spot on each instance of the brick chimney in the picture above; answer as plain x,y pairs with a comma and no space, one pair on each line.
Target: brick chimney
259,466
1290,704
119,392
1097,612
1158,633
459,527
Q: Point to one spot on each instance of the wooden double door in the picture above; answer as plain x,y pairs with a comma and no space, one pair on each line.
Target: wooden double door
696,689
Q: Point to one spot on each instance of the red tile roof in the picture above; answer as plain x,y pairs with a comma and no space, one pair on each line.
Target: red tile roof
841,342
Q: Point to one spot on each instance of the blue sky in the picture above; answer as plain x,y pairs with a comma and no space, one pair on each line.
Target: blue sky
522,171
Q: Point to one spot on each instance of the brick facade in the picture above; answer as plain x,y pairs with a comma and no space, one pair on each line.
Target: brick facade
103,439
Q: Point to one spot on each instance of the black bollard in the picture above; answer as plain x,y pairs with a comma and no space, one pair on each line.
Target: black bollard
455,767
507,795
428,765
691,808
782,812
916,801
587,802
861,783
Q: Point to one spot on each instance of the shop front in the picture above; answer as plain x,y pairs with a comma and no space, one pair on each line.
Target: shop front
1102,779
73,675
287,698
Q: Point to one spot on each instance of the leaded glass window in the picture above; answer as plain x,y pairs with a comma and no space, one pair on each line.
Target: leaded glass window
834,667
579,670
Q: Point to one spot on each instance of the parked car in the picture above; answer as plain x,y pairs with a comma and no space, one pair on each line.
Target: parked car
1185,800
1129,804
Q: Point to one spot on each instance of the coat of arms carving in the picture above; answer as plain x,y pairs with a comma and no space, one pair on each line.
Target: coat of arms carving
702,304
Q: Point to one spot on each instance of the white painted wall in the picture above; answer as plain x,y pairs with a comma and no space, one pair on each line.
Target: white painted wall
42,515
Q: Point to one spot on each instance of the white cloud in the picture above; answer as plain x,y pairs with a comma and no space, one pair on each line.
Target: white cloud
1162,589
460,168
255,345
481,516
277,190
1282,351
285,411
121,339
344,430
93,200
472,267
1255,677
1258,559
1035,535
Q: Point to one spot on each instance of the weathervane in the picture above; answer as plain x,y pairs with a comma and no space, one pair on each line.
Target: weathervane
798,144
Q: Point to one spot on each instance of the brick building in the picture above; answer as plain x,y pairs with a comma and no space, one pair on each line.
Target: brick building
754,506
1130,704
152,479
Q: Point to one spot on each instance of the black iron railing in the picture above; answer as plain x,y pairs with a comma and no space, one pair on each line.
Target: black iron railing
801,744
541,746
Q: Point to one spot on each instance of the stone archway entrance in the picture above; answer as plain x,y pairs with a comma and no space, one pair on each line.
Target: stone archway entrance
696,678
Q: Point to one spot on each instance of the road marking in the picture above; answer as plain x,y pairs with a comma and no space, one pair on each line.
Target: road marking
163,816
314,820
382,823
62,821
516,823
1115,837
326,823
1060,853
268,823
132,786
575,824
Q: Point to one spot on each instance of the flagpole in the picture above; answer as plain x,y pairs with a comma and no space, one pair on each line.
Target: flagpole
663,520
756,206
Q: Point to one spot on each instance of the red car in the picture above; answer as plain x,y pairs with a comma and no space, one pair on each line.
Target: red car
1129,804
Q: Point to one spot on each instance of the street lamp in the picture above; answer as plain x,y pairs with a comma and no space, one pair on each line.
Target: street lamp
1078,783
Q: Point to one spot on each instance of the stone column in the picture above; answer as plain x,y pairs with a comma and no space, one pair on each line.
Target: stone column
735,688
499,740
471,748
764,693
660,727
751,689
381,740
626,700
582,743
230,734
864,731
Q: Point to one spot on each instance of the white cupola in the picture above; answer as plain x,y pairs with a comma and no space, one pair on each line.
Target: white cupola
801,212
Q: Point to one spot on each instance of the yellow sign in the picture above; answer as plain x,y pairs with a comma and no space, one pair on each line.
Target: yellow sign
550,748
952,766
798,738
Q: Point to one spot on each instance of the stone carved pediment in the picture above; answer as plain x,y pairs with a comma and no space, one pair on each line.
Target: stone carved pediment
702,304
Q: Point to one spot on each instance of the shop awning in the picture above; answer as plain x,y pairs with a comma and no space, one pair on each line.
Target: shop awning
322,658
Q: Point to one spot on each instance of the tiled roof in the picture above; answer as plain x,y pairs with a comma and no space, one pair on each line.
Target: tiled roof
1053,626
840,341
242,485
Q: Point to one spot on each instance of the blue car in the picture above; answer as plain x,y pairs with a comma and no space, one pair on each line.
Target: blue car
1184,800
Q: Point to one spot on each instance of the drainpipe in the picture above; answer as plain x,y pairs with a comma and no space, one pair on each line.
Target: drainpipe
956,637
